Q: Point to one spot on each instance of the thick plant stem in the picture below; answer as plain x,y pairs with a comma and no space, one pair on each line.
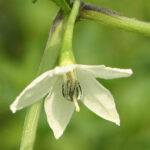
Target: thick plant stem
48,61
66,53
110,18
30,126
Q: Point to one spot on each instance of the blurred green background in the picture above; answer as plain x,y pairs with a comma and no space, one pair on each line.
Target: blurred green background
24,29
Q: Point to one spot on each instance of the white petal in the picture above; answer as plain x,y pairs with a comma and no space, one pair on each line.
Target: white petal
63,69
39,87
58,110
101,71
34,91
97,98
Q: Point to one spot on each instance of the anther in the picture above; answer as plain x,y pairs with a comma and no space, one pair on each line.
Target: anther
71,89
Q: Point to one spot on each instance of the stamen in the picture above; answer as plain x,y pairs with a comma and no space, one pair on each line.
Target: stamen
71,89
76,104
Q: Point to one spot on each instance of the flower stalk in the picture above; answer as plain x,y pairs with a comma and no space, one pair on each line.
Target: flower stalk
114,19
66,53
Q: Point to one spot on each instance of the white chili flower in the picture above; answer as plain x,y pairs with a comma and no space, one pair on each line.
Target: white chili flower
65,86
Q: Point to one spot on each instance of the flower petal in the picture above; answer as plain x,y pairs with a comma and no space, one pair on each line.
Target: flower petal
39,87
58,110
34,91
97,98
64,69
101,71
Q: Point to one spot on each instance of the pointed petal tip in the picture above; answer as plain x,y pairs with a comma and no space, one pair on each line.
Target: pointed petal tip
130,71
13,108
57,136
118,123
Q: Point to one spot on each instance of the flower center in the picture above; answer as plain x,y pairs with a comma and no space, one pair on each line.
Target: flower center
71,89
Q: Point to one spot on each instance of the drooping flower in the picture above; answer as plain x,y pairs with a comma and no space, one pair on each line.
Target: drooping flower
65,86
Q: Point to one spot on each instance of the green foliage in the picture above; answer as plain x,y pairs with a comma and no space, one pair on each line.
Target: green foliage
24,31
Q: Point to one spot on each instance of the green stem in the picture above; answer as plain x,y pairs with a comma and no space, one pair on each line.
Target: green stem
108,17
66,53
48,61
30,126
63,5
